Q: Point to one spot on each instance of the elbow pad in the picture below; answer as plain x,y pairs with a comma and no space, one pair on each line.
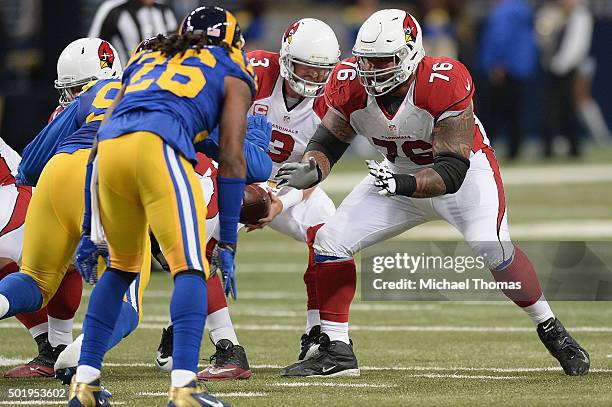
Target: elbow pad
324,141
452,168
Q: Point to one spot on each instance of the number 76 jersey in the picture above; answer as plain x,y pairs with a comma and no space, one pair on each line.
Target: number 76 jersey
291,128
442,87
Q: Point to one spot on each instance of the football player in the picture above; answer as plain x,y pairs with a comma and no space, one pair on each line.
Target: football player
80,62
146,177
290,97
417,111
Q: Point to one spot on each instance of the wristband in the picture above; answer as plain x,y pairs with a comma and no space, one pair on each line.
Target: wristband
405,184
290,198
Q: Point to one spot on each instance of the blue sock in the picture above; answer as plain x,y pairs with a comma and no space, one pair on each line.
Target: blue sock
126,323
22,293
188,308
102,313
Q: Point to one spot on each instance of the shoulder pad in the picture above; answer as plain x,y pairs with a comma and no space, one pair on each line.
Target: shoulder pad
267,68
343,92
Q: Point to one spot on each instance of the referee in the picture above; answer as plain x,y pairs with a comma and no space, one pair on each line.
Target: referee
124,23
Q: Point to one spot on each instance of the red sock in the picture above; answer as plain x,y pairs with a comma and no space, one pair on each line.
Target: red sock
310,276
336,284
30,319
520,270
67,298
216,296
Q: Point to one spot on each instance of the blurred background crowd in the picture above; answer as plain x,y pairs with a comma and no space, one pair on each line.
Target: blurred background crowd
541,67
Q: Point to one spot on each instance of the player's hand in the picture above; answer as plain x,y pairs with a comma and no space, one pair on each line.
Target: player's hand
86,259
276,207
223,258
259,130
299,175
383,178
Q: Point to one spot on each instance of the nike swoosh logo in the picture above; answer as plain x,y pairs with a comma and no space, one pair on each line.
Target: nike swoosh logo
327,369
468,87
161,363
548,326
209,403
214,370
585,357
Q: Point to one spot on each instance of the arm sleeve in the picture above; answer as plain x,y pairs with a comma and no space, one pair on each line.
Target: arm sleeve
43,147
576,42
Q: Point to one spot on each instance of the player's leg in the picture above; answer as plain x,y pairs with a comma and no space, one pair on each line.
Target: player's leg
479,212
124,221
354,226
175,208
301,222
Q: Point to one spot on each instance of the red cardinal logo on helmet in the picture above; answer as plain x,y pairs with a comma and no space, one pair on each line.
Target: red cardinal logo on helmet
290,31
410,28
106,55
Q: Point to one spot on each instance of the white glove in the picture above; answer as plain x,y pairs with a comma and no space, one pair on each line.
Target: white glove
383,178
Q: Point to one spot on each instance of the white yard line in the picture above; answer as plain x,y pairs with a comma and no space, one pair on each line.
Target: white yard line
464,377
366,328
330,384
230,394
519,176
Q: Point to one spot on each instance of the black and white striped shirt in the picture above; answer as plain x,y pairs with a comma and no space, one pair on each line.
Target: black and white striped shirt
124,23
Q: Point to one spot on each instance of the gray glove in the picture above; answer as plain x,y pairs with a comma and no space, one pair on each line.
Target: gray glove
299,175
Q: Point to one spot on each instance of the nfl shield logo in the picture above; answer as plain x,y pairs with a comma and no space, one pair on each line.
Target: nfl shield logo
286,119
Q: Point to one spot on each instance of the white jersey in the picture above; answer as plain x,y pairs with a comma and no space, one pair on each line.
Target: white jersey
291,128
9,161
442,88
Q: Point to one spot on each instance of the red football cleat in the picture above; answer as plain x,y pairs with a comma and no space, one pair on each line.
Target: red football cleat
230,363
41,365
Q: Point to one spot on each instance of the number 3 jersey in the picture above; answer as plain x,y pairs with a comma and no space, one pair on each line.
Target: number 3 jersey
442,88
291,128
179,98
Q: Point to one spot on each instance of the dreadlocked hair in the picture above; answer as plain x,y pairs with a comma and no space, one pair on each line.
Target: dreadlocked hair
178,44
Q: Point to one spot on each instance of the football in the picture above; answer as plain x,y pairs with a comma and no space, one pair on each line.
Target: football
255,204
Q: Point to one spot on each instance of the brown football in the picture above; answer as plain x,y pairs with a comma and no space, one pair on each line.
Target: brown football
255,204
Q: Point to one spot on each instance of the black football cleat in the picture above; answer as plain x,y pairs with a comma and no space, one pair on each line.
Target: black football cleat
192,395
228,363
309,344
571,356
88,394
334,359
163,358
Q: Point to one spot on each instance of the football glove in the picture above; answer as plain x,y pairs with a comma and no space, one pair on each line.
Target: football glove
299,175
86,259
259,131
383,178
223,259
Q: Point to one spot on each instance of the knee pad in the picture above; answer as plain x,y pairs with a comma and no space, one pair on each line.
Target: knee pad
328,248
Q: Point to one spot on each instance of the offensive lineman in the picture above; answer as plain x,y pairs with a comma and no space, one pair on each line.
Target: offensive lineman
417,111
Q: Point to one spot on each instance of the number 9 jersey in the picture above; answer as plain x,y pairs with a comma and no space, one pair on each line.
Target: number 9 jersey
161,86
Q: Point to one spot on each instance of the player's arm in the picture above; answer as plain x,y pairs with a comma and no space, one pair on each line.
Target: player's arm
327,145
451,145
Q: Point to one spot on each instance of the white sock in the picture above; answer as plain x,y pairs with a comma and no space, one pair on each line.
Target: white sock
337,331
4,305
39,329
87,374
220,326
181,378
312,319
539,311
60,331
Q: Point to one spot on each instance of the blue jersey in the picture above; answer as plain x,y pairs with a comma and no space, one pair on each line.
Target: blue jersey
178,98
73,129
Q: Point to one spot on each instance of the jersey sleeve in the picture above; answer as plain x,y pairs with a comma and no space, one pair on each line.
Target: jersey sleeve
42,148
239,67
443,87
343,92
267,68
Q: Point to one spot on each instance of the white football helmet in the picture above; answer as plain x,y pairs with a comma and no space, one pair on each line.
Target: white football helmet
82,61
309,42
388,33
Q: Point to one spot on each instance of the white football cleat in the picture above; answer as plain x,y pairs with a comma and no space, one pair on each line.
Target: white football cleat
67,361
163,357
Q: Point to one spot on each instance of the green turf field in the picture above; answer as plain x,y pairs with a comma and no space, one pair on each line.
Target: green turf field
410,353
